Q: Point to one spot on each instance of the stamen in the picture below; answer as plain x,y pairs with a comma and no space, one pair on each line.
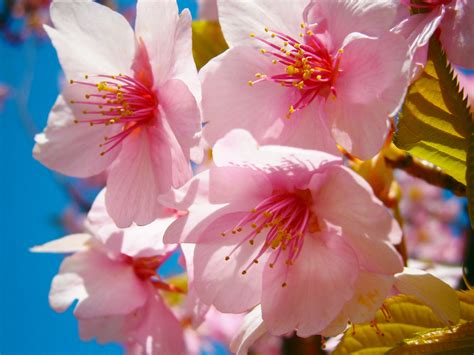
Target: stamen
307,65
117,99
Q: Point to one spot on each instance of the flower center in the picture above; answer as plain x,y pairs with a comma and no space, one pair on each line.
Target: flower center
117,99
285,217
146,269
306,65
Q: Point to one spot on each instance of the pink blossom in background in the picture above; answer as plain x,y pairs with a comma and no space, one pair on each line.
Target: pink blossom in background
4,92
112,273
130,107
430,221
306,75
208,10
273,224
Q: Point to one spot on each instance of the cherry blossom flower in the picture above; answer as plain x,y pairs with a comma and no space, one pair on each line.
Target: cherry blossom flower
454,19
130,107
432,291
112,274
278,223
307,76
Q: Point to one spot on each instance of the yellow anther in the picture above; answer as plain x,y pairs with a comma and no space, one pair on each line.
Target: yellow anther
86,76
285,43
253,225
297,45
266,29
273,35
301,35
306,74
263,51
290,69
274,61
319,77
291,109
309,33
250,83
71,81
267,214
252,35
341,51
302,25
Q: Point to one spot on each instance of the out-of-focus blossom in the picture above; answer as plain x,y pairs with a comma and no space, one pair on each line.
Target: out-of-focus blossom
208,10
454,19
4,92
113,276
273,223
131,105
432,221
308,76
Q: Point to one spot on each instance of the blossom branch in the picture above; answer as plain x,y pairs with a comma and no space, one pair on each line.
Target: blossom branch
425,171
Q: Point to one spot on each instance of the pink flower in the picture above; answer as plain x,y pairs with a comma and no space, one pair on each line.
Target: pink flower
130,106
329,72
208,10
112,275
439,296
273,225
454,18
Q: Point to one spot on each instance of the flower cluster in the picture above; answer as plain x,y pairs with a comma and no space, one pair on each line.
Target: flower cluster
273,223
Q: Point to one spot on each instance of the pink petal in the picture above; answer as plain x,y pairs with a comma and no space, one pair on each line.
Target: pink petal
418,29
208,10
229,102
68,244
343,198
375,255
159,331
207,197
102,286
240,18
435,293
70,148
249,332
168,42
99,44
181,112
279,163
457,33
134,241
151,162
106,329
369,293
319,284
370,88
343,17
220,282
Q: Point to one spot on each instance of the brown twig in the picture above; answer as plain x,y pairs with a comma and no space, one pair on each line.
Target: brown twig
427,172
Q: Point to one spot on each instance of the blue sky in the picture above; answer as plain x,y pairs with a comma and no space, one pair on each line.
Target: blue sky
30,203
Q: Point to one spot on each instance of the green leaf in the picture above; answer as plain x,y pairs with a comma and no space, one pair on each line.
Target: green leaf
208,41
435,121
410,321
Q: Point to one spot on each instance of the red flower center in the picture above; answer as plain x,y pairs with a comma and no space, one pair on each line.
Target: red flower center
284,218
117,99
306,65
